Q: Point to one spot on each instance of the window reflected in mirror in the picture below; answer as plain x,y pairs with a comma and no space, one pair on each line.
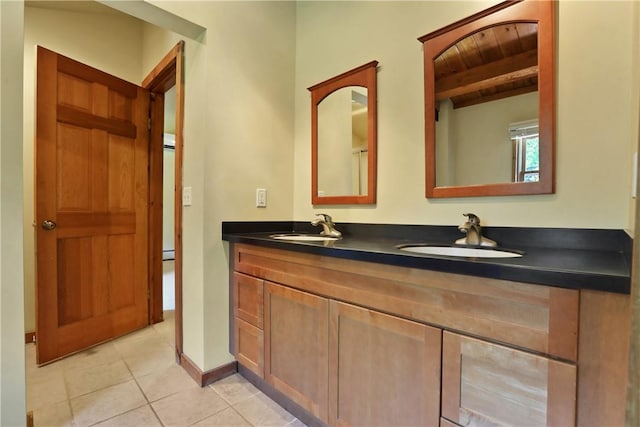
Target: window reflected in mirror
525,140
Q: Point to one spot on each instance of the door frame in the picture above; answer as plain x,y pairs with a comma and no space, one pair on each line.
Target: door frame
167,73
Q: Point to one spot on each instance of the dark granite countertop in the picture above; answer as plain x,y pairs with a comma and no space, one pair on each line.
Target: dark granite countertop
595,259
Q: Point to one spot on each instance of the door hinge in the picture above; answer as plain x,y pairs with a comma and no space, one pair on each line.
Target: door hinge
148,293
149,123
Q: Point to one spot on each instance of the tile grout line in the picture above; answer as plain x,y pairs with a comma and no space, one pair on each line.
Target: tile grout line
155,414
210,415
133,377
232,406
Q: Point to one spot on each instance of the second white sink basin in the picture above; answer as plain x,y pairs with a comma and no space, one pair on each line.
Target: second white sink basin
303,237
461,251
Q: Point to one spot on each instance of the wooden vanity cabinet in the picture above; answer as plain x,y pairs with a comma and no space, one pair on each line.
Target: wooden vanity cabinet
489,384
362,344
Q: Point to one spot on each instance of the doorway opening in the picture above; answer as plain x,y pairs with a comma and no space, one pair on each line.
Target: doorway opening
166,83
168,202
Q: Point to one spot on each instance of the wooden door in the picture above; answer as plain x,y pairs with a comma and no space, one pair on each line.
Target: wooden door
485,384
296,346
92,190
383,370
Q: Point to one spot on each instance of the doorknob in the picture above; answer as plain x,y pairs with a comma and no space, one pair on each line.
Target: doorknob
48,225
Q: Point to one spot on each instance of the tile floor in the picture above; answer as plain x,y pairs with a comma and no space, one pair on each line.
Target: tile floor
134,381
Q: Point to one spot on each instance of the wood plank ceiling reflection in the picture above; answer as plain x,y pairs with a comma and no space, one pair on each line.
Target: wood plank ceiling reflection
494,63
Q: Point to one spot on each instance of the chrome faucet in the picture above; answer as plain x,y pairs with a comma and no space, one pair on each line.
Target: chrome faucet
471,227
328,227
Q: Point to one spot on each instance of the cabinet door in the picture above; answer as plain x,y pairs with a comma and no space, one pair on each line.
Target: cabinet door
296,346
485,384
383,370
248,298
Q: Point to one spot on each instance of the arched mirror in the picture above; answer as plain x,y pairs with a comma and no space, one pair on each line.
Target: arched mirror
343,138
489,103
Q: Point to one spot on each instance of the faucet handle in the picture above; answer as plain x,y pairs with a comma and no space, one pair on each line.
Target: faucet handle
325,217
472,218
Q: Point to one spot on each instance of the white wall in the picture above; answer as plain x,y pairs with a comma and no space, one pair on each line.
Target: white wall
596,111
112,43
238,136
168,189
12,367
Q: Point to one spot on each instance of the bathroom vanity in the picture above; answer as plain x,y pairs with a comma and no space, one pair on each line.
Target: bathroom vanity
357,332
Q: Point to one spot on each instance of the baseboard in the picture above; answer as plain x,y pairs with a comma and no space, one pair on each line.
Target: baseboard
205,378
29,337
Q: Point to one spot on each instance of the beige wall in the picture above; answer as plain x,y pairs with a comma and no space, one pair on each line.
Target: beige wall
12,364
238,136
112,43
596,110
635,101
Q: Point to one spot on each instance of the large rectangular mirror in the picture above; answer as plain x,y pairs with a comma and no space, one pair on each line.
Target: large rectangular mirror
343,138
489,103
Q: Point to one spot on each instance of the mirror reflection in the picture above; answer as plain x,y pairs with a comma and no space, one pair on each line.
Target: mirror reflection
489,103
343,142
487,107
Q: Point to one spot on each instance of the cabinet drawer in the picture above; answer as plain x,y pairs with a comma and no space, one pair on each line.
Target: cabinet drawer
248,299
489,384
249,346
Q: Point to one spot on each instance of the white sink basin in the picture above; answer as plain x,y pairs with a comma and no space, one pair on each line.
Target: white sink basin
459,251
303,237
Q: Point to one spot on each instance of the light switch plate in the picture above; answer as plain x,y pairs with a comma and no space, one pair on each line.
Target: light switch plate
261,197
186,196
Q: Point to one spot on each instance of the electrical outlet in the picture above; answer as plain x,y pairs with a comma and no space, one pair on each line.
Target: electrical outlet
261,197
186,196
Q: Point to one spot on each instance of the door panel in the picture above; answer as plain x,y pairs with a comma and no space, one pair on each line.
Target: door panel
74,301
296,338
92,158
383,370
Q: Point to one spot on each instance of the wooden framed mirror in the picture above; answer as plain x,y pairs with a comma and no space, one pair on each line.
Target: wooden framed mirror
343,138
489,103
